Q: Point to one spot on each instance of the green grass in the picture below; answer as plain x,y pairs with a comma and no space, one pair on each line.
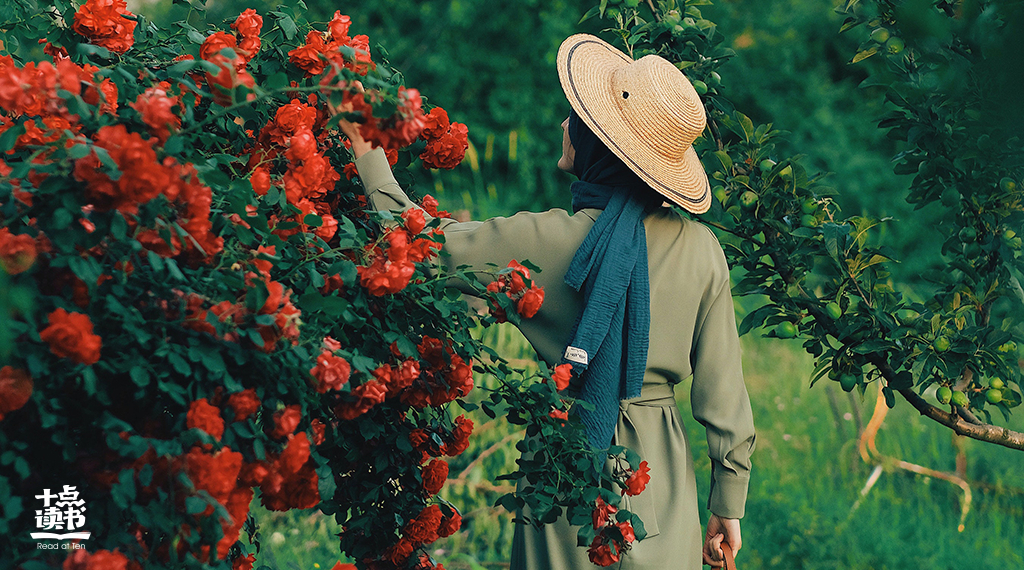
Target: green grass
807,477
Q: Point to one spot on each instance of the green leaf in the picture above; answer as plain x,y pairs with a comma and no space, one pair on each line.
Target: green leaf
287,24
864,54
179,364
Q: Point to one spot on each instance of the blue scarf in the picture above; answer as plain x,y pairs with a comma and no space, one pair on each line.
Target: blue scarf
608,345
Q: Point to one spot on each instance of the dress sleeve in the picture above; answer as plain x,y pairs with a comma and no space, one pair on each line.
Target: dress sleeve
720,403
540,238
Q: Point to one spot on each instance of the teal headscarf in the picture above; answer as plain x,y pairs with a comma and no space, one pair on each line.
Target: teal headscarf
608,345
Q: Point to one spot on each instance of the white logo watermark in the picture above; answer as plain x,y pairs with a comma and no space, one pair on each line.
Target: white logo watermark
66,513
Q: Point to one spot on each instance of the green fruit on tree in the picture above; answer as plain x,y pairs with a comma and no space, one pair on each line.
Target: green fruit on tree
689,22
808,221
894,46
943,394
721,194
700,87
1008,184
1010,346
611,12
833,310
766,165
786,173
968,234
631,3
714,79
809,206
785,329
941,343
673,18
996,383
949,197
959,398
994,396
1015,243
880,35
748,200
847,382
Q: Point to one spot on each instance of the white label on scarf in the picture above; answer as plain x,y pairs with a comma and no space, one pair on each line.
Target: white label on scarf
577,355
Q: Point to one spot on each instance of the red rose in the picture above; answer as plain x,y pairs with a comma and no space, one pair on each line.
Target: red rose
637,481
399,552
15,389
206,417
436,124
414,220
561,415
601,553
330,373
434,475
216,42
562,376
367,395
243,562
448,150
260,180
103,23
286,421
244,403
423,529
248,24
460,436
626,528
450,525
338,27
602,512
319,431
295,454
308,57
217,474
232,74
530,302
17,252
155,107
70,336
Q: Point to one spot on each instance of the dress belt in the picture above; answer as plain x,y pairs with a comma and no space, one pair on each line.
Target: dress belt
651,396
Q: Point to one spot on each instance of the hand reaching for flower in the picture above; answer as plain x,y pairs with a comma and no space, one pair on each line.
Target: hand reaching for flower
351,130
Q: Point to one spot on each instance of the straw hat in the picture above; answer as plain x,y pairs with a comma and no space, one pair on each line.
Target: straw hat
645,111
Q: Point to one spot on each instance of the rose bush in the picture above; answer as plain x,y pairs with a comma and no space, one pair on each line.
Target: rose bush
205,306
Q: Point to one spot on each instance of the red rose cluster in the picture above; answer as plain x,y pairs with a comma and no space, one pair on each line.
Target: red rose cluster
612,537
297,133
442,377
512,283
320,51
392,260
233,72
143,178
106,23
446,142
427,527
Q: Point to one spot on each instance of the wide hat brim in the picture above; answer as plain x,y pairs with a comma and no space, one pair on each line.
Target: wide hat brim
651,130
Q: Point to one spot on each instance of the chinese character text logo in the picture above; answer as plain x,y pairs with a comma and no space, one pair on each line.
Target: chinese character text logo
67,512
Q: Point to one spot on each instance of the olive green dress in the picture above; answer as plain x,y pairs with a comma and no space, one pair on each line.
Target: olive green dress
693,332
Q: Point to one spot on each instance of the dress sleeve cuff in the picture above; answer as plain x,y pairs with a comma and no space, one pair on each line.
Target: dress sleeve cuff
728,495
374,170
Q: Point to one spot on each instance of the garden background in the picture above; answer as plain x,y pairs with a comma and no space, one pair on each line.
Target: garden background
491,65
